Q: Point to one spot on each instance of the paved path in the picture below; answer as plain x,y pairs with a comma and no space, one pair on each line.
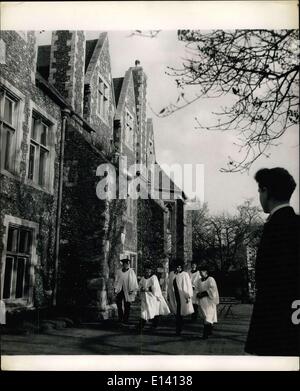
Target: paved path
110,339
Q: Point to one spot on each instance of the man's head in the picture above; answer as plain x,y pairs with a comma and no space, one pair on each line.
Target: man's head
203,272
179,264
179,268
275,186
148,270
125,263
194,266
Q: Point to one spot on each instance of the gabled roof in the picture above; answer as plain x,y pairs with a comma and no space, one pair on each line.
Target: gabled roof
93,54
166,179
89,50
118,82
43,60
55,95
121,86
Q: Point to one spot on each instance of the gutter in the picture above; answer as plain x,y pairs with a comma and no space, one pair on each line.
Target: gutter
64,113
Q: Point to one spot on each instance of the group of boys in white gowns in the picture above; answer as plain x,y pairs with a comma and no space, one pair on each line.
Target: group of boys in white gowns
186,291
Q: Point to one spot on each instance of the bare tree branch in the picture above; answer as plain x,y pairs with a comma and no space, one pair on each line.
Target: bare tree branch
257,69
145,33
220,239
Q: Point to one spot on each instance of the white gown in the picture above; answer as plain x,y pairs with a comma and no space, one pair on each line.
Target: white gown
152,300
128,281
194,279
208,304
185,289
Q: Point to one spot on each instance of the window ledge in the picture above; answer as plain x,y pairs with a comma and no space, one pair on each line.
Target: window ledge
37,187
15,305
10,174
27,182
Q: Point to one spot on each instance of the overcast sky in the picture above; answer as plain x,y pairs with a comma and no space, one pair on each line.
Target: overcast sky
176,139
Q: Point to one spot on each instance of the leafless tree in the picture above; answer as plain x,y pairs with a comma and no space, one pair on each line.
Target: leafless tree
259,72
221,239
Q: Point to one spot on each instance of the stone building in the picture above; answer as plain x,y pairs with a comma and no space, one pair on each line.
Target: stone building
31,129
66,124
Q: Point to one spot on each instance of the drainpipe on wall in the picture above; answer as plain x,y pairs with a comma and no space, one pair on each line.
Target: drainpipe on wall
64,113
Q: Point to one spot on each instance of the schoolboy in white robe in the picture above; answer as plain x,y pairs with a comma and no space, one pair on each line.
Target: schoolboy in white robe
208,296
180,293
153,303
126,287
194,276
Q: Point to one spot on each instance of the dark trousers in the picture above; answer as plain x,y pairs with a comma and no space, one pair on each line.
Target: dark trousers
207,330
195,314
123,315
154,322
179,318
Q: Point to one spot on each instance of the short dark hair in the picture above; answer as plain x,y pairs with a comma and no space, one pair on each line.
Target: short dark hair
125,260
204,267
278,181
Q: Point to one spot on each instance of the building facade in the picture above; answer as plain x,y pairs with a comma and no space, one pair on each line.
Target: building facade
65,125
31,125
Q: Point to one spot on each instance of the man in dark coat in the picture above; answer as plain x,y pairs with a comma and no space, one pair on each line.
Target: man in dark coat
272,331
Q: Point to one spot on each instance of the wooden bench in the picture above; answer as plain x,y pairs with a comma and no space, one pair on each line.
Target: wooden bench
225,306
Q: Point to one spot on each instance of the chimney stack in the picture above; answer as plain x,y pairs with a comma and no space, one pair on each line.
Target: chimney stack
67,61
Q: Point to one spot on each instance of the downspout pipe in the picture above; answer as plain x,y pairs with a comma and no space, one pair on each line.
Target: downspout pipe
65,113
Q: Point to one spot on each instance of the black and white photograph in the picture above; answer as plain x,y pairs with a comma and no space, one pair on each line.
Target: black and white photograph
150,190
